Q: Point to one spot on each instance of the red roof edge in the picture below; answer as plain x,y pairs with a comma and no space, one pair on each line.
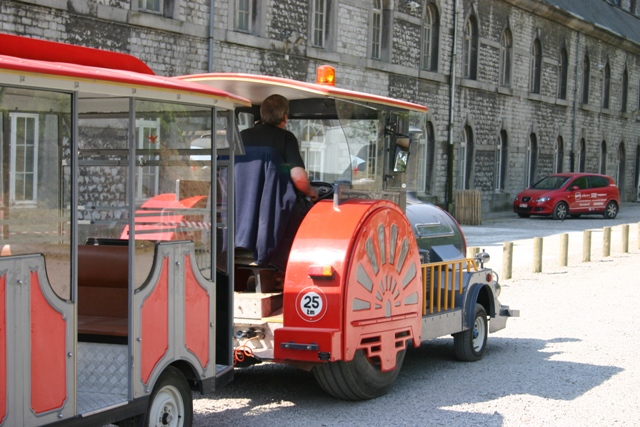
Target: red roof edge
44,50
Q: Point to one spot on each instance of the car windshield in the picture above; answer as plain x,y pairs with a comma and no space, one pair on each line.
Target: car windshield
550,183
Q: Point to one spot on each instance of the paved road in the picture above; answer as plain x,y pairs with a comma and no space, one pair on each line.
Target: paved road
570,359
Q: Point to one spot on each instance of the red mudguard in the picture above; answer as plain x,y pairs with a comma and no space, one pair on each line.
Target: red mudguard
373,300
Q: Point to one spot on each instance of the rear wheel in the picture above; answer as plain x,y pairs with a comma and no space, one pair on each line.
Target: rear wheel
358,379
170,403
470,344
611,211
560,211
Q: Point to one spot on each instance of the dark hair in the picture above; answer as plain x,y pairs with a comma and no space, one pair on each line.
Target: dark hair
273,109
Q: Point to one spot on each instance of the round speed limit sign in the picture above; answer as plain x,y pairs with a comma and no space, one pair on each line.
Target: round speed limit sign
311,304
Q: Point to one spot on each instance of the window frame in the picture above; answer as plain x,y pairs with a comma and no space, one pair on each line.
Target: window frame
506,55
470,49
319,29
535,74
625,90
377,15
13,143
563,73
430,38
501,160
243,14
606,86
141,126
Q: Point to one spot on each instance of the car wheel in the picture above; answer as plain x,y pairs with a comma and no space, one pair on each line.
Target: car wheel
469,345
521,215
560,211
611,211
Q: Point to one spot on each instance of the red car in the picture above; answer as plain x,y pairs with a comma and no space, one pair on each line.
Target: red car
572,194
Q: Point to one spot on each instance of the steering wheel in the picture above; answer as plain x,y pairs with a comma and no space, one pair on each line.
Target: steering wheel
325,190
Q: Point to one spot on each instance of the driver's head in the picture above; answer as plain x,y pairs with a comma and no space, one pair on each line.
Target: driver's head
273,109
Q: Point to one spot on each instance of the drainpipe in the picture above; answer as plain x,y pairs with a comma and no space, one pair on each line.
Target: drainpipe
210,37
572,157
452,101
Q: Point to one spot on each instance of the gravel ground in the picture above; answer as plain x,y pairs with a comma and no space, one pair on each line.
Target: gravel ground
571,358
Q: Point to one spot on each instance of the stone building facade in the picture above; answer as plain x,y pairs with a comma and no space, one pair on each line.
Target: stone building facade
517,89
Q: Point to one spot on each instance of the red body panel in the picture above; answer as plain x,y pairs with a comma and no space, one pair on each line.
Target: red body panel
48,353
330,311
155,324
196,322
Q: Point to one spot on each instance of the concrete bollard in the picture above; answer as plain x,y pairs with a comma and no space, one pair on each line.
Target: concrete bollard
639,235
472,251
537,254
586,246
564,249
606,242
625,238
507,260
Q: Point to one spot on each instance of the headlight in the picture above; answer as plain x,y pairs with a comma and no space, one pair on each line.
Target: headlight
543,199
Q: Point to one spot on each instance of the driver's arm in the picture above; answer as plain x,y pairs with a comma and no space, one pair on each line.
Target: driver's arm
301,182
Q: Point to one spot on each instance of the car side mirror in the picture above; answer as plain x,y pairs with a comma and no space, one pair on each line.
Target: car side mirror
575,188
402,154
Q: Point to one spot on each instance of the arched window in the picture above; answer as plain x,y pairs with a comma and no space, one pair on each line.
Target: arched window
536,67
606,87
431,153
586,71
466,158
501,161
376,28
532,159
430,38
582,155
603,158
559,154
506,50
563,73
470,49
625,90
620,169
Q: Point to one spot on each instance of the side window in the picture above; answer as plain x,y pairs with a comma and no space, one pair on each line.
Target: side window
581,183
598,182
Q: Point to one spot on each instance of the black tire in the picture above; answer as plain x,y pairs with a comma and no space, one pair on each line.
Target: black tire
611,210
521,215
471,344
359,379
561,211
170,403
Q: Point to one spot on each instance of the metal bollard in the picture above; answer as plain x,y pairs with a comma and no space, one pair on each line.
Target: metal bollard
625,238
586,246
537,254
507,260
606,242
564,249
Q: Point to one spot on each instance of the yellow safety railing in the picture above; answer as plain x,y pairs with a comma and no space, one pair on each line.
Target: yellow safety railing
439,284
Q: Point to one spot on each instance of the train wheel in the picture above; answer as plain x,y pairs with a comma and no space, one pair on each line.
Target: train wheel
470,344
170,403
358,379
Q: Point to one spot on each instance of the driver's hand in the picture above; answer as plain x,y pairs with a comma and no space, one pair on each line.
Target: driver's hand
313,194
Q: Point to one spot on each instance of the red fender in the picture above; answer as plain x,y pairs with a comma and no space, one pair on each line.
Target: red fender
372,302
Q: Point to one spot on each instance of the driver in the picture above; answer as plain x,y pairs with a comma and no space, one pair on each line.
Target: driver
271,132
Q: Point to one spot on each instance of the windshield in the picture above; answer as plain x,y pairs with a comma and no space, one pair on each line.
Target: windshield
550,183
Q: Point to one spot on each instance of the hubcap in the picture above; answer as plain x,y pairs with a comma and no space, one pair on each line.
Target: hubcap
167,408
478,334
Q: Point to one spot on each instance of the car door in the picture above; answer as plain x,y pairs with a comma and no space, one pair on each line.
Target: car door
598,192
579,197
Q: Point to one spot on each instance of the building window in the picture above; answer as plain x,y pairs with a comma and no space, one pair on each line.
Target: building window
430,38
319,20
150,5
148,138
470,49
586,71
582,155
506,49
625,90
376,28
563,74
606,86
536,67
559,154
501,161
532,159
603,158
466,159
620,169
24,158
244,12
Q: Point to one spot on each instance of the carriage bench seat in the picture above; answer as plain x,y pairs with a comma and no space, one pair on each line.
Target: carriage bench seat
103,290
